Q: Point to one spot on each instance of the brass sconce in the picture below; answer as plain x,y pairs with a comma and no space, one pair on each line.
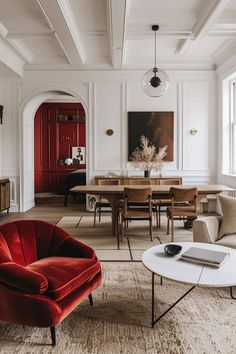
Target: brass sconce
193,131
109,132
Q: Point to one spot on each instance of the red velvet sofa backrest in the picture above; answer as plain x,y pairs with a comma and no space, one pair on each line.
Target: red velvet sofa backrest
26,241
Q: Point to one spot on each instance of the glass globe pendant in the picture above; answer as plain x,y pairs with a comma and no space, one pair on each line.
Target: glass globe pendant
155,81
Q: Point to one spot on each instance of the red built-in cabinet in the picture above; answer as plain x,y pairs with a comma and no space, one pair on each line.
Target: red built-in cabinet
58,128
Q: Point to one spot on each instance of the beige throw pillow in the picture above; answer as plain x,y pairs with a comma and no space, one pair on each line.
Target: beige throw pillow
228,206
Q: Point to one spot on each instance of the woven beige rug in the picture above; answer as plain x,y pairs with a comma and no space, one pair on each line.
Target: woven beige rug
135,241
119,321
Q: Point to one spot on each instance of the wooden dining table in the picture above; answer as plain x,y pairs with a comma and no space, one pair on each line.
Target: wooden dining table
114,193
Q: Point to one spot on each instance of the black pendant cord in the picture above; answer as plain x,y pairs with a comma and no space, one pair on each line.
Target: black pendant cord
155,50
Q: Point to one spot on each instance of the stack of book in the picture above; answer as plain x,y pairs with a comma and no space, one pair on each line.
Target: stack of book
205,256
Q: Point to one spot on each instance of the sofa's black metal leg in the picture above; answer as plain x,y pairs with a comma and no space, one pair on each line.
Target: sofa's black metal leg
231,293
53,335
90,299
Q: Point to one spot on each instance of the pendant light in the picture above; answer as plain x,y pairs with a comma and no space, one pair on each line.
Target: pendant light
155,81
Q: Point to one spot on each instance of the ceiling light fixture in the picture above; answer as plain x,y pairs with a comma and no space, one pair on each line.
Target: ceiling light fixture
155,81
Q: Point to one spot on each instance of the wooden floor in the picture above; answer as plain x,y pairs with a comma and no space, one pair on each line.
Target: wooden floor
47,210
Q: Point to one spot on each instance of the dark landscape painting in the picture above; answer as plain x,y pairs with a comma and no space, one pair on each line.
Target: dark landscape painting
158,127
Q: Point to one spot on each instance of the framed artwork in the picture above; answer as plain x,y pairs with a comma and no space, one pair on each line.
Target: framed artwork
158,127
78,155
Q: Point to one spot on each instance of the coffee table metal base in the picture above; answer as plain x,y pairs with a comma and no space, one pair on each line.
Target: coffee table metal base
154,321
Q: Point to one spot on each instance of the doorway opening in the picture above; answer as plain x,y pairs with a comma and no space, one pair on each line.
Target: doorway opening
59,150
57,168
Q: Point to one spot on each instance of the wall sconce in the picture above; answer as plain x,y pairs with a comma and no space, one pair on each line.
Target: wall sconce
1,113
109,132
193,131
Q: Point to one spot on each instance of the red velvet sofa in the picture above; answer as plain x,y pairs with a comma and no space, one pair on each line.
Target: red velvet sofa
44,274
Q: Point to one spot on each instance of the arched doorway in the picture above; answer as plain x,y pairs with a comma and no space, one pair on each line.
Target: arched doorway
29,108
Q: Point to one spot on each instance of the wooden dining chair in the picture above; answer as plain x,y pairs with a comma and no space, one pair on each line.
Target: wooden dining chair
165,201
183,206
102,203
133,199
141,182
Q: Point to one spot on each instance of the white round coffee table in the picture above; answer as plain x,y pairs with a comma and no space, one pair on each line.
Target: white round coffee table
159,263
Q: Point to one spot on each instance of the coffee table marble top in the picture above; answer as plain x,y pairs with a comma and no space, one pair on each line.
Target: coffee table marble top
156,260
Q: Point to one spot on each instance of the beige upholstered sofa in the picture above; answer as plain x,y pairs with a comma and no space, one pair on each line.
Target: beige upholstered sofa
206,229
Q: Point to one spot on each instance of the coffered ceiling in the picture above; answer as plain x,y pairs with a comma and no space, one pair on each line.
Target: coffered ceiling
115,34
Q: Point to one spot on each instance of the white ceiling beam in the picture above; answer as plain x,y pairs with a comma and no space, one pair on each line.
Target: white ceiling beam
117,17
10,58
61,20
206,19
22,49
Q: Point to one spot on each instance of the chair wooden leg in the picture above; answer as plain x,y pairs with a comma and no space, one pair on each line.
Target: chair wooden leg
159,215
90,299
95,215
121,229
53,335
172,229
99,214
168,225
150,226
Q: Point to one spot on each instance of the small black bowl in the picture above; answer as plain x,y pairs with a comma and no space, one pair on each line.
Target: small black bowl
172,250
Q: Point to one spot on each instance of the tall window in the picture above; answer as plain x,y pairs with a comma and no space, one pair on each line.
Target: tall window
233,130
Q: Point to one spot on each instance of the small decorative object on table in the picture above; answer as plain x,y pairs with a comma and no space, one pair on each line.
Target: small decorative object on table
172,250
146,158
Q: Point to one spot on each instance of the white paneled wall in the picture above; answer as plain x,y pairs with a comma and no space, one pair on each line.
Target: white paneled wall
196,116
108,97
107,115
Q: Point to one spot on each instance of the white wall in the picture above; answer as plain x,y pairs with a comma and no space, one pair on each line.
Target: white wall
109,96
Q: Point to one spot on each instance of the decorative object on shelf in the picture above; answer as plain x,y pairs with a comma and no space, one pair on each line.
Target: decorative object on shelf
146,158
155,81
109,132
68,161
160,169
78,155
193,131
1,113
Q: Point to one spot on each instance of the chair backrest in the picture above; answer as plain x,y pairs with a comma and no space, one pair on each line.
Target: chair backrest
170,182
183,194
139,181
26,241
134,197
109,182
141,195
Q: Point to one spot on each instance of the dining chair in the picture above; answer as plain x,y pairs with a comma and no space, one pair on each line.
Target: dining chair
102,202
183,206
135,201
165,201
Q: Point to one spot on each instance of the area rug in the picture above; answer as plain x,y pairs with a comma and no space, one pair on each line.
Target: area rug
135,241
119,321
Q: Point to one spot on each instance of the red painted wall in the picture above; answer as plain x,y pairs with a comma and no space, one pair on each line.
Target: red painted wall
53,144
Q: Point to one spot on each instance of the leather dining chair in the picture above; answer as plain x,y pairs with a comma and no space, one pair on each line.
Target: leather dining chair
165,201
137,205
44,274
183,206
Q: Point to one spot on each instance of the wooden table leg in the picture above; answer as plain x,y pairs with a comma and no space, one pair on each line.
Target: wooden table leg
114,212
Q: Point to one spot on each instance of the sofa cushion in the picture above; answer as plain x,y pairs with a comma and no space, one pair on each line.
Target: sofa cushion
228,206
65,274
227,241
